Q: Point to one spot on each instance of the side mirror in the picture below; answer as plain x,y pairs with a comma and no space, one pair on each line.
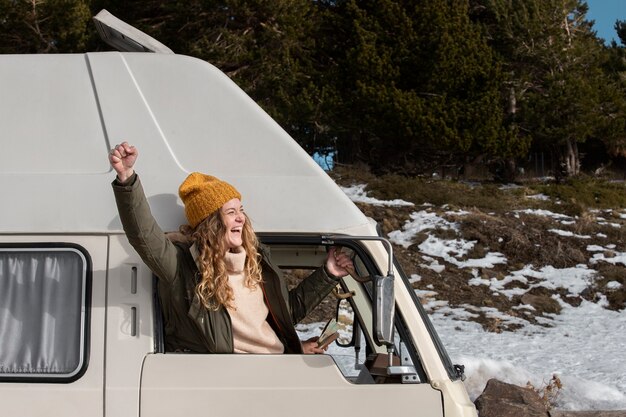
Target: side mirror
384,309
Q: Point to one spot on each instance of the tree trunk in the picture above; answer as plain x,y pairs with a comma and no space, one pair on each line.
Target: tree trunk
512,102
573,162
570,161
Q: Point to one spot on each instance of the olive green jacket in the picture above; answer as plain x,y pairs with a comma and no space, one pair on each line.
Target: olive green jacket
189,326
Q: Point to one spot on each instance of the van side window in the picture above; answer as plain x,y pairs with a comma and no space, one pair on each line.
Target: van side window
355,353
44,307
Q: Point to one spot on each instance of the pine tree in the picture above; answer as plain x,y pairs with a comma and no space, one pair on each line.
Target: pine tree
557,89
416,80
620,29
39,26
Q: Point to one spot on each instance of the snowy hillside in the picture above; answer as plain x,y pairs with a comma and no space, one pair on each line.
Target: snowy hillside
583,344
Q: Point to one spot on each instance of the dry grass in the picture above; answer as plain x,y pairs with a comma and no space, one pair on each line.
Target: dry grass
524,239
549,392
583,192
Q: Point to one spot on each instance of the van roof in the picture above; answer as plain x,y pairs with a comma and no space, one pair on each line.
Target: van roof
60,114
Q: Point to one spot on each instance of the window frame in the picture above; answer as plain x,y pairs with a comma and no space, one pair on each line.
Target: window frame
399,322
277,239
85,313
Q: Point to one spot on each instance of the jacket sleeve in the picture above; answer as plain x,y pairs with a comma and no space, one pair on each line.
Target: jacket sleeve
302,299
309,293
142,230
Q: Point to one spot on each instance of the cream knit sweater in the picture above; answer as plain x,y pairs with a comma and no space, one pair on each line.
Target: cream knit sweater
251,331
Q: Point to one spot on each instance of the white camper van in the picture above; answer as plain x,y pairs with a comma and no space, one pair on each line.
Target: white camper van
80,327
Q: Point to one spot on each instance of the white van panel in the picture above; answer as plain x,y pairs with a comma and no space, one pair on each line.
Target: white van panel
215,110
271,385
49,116
129,326
83,397
183,115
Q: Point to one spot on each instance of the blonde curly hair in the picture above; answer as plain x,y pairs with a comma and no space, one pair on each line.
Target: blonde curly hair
213,289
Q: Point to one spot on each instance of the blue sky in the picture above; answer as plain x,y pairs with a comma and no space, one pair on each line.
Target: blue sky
605,13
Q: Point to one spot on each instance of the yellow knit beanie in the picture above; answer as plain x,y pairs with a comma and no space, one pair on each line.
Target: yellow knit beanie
203,194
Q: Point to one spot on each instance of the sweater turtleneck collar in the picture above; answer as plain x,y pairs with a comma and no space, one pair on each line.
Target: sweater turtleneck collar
235,261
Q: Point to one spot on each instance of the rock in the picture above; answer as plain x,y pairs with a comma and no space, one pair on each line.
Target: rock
542,303
500,399
573,300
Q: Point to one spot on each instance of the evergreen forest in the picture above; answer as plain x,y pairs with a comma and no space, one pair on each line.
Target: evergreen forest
504,87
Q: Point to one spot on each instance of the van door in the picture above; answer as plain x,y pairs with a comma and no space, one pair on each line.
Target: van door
271,385
339,383
52,295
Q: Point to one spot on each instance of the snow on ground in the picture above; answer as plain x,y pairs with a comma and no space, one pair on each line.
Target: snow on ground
584,346
420,221
567,233
575,280
607,255
542,197
450,250
358,194
548,213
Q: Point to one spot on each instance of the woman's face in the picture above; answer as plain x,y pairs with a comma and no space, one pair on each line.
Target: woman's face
233,219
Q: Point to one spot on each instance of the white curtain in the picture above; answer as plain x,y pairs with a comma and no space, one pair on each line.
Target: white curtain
41,312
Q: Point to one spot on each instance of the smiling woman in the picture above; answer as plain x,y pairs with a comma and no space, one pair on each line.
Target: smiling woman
234,219
218,288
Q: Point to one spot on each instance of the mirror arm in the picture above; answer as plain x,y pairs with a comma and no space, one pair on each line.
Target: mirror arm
357,343
362,280
342,295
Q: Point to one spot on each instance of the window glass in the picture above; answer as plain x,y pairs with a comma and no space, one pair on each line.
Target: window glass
347,358
43,311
